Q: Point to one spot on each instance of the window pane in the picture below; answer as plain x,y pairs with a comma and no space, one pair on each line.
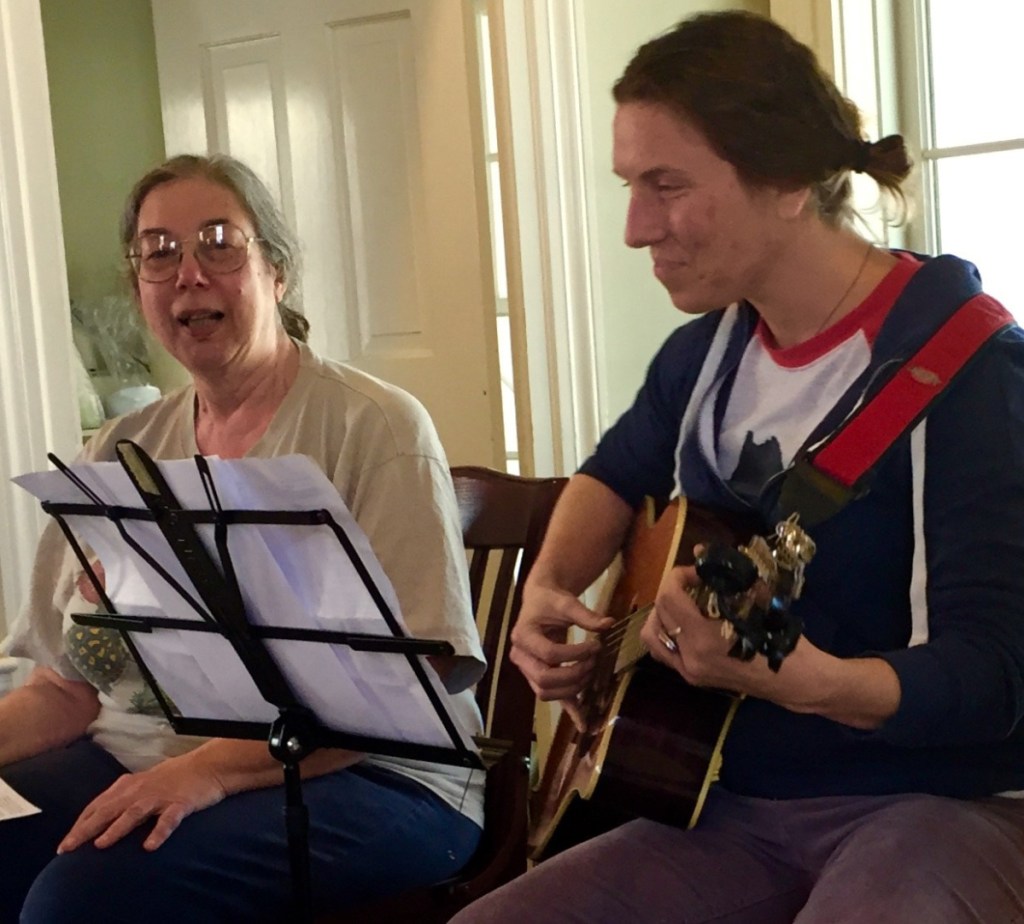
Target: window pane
508,397
490,119
497,232
977,222
976,48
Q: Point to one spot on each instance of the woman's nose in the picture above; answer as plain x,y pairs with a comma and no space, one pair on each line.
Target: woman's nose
190,270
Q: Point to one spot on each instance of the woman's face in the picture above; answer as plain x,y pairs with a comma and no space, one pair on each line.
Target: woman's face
210,322
713,239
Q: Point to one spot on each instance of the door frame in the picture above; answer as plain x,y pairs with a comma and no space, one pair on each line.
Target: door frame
38,393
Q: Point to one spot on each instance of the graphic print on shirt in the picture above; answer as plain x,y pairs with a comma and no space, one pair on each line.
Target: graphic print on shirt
781,395
100,655
774,406
757,463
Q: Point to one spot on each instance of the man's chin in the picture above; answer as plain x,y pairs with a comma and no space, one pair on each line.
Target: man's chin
685,303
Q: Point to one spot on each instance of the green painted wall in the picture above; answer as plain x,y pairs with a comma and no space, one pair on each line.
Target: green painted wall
107,129
107,132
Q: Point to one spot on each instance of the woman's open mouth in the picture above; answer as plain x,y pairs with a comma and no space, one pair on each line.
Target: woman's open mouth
199,321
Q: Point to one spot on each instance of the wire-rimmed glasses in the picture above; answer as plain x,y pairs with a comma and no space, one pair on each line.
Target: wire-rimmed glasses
219,248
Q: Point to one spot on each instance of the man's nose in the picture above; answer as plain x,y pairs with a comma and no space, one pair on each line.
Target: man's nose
645,222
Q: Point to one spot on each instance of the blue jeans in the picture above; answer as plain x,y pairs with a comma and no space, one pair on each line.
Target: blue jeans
372,833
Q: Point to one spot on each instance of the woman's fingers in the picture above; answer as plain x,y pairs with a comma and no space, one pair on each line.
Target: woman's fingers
86,587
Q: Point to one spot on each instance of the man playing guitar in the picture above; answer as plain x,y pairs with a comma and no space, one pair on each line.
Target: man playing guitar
870,778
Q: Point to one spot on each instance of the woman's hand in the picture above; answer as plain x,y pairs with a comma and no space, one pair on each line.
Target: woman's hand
555,668
169,792
86,587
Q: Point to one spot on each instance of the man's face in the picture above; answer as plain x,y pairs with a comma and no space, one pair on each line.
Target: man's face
712,238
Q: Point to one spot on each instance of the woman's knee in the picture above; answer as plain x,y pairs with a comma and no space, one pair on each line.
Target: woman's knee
87,885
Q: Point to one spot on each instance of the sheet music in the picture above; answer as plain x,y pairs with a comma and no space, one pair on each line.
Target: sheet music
13,805
295,576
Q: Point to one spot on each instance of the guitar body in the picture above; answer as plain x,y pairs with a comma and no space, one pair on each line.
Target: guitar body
655,741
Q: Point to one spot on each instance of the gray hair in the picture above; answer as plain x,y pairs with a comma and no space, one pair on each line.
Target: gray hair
277,241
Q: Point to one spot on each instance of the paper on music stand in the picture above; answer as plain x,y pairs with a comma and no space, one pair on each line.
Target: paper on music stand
294,576
14,805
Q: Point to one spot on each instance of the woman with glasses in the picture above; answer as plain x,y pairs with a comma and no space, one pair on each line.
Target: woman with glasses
138,822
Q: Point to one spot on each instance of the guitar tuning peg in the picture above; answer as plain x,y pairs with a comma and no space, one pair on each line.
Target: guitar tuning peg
726,570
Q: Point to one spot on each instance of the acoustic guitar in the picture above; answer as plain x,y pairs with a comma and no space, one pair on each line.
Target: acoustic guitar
653,743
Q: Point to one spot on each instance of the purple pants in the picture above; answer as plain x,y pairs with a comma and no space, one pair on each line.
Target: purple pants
837,860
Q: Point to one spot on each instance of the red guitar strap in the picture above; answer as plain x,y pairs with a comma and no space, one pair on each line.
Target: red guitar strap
837,470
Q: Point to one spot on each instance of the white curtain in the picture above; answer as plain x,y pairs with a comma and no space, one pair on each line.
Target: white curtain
38,404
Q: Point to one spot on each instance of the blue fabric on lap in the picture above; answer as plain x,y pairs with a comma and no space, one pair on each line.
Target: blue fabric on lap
372,833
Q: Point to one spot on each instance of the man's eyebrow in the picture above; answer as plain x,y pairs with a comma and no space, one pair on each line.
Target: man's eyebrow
653,174
658,173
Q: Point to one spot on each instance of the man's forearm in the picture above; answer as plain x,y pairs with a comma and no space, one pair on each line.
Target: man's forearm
863,693
585,533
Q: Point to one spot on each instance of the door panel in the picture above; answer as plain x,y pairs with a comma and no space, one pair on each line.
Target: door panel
362,116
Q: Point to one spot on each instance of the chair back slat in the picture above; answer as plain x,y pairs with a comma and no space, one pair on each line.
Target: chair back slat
478,560
495,611
503,518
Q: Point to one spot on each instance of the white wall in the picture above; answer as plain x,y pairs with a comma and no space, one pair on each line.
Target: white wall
633,313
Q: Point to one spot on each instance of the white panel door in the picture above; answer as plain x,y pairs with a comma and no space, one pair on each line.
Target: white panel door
362,115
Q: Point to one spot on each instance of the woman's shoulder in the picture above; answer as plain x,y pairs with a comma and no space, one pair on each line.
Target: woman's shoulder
152,426
333,374
358,400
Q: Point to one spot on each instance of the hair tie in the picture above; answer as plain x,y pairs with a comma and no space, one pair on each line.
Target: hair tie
861,156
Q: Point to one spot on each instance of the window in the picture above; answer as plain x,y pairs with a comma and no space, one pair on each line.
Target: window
508,404
961,73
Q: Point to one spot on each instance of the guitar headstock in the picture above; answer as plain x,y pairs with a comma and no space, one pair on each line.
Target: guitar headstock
752,588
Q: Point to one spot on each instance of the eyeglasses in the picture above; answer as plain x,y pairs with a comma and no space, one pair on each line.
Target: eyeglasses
219,248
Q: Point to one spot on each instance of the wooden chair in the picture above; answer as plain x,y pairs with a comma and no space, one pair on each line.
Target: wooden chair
504,518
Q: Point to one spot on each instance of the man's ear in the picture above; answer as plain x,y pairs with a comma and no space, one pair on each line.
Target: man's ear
792,202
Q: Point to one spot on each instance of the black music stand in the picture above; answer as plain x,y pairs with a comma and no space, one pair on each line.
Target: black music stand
218,602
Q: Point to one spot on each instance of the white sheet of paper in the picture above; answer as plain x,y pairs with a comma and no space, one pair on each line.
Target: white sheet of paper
296,576
12,805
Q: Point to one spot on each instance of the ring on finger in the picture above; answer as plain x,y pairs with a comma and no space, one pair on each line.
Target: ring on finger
667,642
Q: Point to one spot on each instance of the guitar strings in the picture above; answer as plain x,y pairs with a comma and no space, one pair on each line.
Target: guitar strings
614,640
609,658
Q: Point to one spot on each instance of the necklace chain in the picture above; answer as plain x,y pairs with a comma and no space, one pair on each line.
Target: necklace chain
847,291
